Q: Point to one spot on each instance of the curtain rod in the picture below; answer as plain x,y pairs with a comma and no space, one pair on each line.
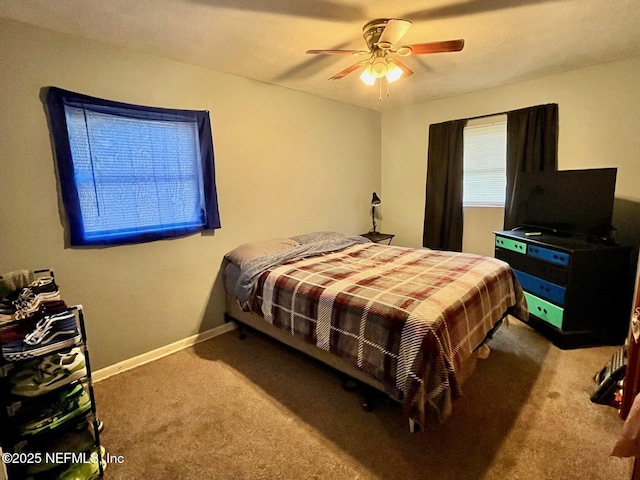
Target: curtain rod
508,111
488,115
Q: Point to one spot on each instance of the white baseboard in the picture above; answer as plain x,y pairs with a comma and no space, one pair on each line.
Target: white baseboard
158,353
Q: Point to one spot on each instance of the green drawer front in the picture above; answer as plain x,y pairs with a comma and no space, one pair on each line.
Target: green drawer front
544,310
512,245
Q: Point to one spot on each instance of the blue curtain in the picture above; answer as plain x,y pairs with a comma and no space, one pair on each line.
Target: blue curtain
130,173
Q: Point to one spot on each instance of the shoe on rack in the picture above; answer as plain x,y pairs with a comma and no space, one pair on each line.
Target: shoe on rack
42,285
43,308
68,404
89,470
16,286
19,320
17,330
25,370
31,297
17,326
52,333
74,442
53,372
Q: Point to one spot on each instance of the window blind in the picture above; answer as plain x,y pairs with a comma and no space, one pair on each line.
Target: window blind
485,153
130,173
135,175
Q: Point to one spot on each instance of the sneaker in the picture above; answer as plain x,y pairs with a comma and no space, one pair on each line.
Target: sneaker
52,333
42,290
68,404
53,371
19,329
24,370
45,307
42,285
74,442
89,470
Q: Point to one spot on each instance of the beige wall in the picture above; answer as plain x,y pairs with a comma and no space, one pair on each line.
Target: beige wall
599,109
286,163
478,227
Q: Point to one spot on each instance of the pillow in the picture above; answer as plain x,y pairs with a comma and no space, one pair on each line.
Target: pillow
248,251
318,237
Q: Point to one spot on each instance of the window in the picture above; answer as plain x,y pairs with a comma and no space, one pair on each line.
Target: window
129,173
485,162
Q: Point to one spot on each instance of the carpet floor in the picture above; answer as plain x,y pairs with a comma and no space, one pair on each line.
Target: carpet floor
254,409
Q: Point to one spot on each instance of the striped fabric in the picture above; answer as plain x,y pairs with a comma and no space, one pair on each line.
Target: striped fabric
408,317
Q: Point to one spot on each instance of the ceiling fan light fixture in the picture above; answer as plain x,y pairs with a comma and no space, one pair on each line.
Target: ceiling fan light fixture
379,67
368,77
394,72
382,37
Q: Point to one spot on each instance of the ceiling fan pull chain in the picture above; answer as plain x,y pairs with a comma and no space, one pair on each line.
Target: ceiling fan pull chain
380,90
387,88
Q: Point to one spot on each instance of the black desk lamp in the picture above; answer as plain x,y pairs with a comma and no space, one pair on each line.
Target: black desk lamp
375,201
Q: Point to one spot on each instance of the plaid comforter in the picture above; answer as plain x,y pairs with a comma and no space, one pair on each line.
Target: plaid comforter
408,317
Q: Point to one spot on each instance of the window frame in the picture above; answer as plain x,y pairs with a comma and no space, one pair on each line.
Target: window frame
58,98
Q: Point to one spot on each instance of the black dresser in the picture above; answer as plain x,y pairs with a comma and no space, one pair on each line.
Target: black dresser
579,292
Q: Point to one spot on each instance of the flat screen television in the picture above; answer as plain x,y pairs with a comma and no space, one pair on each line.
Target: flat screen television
575,202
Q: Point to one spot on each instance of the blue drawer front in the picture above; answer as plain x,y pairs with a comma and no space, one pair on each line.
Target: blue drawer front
552,256
541,288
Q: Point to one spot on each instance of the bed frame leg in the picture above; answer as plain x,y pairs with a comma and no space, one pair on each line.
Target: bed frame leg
354,386
413,426
241,335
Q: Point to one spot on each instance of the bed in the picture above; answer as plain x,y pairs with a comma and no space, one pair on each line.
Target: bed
406,321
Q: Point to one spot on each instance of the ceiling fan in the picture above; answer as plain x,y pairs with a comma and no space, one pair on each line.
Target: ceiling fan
382,36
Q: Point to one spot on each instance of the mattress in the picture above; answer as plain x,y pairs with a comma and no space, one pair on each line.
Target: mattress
407,318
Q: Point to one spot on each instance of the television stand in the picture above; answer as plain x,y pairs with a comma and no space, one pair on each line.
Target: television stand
579,292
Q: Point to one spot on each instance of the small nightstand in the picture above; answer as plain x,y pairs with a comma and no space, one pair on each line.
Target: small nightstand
378,237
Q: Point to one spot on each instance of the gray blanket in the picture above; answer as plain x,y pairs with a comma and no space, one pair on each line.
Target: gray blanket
252,270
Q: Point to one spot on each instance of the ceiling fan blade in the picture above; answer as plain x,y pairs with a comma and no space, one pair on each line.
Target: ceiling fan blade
435,47
469,7
406,71
338,52
348,70
320,9
394,31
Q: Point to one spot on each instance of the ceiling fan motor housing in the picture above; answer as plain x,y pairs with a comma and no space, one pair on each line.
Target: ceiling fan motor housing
372,31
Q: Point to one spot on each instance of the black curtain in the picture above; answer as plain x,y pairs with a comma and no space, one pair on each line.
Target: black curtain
532,146
443,209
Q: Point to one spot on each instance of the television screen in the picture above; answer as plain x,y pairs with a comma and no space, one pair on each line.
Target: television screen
569,201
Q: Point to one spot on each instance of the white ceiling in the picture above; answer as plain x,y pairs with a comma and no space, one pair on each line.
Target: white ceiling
505,40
